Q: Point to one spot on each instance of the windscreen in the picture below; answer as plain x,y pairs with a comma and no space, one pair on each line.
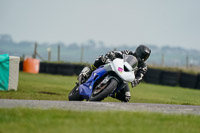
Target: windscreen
131,60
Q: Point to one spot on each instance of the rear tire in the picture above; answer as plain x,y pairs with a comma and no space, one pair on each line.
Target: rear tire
110,87
74,94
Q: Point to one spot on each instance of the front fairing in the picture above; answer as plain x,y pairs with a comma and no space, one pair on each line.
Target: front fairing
118,67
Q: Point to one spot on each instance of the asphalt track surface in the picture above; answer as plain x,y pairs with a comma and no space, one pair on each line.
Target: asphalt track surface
101,106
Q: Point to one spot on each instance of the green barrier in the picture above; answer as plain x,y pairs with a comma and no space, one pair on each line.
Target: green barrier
4,71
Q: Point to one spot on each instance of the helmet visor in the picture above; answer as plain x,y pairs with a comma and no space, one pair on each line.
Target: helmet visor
144,56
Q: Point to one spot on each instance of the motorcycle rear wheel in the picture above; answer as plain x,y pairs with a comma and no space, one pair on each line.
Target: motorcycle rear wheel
109,88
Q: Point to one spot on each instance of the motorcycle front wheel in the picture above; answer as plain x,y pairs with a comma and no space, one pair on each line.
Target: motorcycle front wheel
102,92
74,94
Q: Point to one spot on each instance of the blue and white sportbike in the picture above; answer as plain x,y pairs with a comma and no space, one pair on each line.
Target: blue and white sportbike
107,80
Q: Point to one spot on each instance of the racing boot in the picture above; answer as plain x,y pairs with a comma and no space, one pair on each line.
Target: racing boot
123,95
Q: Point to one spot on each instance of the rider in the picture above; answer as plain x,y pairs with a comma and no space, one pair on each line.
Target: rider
142,53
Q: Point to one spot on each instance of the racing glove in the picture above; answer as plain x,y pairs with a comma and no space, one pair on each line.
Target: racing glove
135,82
84,75
110,55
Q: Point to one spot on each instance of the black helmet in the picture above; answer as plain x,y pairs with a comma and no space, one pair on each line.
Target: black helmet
142,52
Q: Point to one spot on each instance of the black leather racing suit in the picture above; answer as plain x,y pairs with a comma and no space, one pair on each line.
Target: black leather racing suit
124,93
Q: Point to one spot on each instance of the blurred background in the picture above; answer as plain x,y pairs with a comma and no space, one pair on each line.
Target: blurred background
79,31
66,35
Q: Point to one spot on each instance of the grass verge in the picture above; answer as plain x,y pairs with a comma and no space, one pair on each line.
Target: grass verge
50,121
57,87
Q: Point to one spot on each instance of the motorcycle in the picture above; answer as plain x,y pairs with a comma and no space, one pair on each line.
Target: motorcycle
106,80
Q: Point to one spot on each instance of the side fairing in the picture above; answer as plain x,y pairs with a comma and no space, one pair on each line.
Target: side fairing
86,89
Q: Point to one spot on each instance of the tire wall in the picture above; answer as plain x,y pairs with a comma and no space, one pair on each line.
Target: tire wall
156,76
188,80
153,76
169,78
198,82
61,69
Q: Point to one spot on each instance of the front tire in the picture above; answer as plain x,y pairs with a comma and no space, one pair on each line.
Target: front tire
109,88
74,94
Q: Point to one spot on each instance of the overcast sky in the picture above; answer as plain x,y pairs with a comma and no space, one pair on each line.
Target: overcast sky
132,22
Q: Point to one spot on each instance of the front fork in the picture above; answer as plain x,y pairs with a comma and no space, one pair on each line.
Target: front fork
121,84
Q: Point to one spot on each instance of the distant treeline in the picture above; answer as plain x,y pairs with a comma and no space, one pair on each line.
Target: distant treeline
89,50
